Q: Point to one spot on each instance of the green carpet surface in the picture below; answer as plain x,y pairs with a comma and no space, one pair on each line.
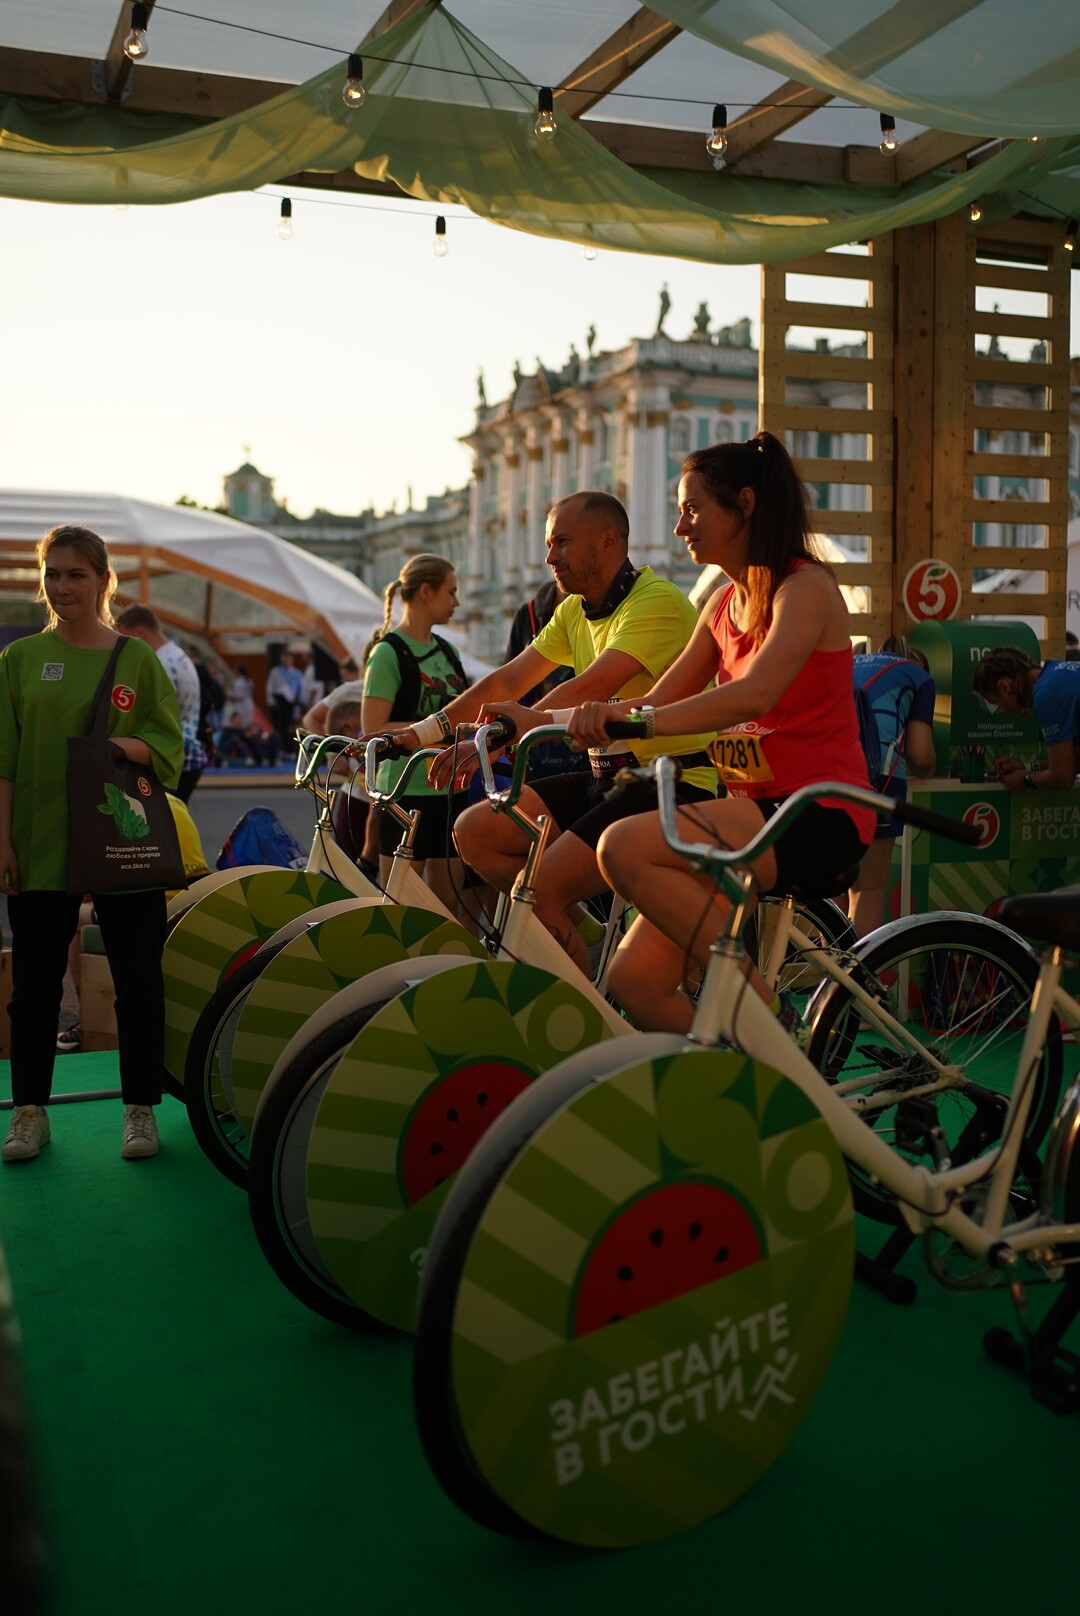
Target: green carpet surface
207,1445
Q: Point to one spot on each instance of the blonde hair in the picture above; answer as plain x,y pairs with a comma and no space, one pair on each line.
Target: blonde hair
417,571
91,547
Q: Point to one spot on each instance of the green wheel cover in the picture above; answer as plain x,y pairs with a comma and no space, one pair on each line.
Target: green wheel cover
645,1426
506,1020
216,934
318,964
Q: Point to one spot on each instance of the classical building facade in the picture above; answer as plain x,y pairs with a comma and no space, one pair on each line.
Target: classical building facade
621,420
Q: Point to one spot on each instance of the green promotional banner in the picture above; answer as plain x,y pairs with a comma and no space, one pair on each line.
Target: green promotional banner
651,1298
1030,842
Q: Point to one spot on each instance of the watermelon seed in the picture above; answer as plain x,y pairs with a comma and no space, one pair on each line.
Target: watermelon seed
722,1254
695,1230
657,1237
451,1115
481,1098
626,1272
436,1149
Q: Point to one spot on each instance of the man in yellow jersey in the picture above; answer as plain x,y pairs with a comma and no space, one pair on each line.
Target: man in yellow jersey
618,628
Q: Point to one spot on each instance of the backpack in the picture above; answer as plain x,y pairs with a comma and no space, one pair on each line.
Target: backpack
408,695
870,737
259,837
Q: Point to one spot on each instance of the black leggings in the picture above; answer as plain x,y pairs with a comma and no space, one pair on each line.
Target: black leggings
133,931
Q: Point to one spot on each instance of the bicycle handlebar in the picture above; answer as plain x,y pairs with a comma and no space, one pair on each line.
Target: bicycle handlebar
313,751
720,862
381,748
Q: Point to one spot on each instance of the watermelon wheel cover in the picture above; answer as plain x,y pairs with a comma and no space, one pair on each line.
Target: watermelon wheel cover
374,1184
610,1411
214,935
316,965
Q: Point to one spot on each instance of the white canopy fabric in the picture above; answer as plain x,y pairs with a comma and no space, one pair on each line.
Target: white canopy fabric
200,571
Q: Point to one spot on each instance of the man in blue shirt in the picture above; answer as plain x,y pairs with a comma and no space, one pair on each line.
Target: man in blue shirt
1008,678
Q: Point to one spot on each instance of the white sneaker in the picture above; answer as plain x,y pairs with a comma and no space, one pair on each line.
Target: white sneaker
29,1131
140,1133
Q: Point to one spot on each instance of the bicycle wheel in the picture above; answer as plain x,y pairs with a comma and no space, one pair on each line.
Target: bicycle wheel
819,919
593,1360
960,986
207,1090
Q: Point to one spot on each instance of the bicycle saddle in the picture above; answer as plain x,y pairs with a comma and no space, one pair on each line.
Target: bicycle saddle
1052,917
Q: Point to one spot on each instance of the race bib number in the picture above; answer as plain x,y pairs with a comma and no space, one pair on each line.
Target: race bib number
740,758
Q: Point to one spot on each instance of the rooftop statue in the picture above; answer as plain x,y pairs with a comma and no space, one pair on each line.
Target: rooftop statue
665,309
481,390
700,332
590,339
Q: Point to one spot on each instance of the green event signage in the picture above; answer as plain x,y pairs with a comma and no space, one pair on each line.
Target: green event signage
317,965
221,931
961,718
410,1098
1030,843
651,1298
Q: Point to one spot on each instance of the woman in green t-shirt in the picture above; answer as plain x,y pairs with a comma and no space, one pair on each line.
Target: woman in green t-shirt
47,685
411,673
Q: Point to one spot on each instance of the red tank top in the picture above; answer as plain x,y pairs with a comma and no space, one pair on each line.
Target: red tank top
810,734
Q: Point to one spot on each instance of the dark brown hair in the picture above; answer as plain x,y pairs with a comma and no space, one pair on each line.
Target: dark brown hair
1003,662
779,523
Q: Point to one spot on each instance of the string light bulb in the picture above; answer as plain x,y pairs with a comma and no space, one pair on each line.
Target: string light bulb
1071,227
716,143
590,252
440,246
974,212
135,46
545,126
284,228
889,141
354,95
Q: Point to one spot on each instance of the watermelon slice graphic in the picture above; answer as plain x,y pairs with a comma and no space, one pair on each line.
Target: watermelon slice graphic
452,1118
673,1239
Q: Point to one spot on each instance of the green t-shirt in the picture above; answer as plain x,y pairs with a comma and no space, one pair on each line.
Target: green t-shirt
46,688
653,625
440,682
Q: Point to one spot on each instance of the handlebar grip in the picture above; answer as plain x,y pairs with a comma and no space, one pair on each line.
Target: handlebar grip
939,824
626,729
500,733
393,750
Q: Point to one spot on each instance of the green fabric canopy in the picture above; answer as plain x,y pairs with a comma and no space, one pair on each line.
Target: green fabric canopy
450,122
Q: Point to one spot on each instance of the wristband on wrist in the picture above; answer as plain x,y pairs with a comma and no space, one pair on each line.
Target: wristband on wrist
430,731
561,715
649,716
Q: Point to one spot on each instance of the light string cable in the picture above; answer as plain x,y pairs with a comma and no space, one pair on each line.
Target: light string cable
496,78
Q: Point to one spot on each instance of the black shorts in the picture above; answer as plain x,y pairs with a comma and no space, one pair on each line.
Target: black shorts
890,829
437,814
578,802
818,853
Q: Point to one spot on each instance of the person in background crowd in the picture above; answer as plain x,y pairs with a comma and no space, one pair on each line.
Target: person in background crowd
183,676
355,827
251,744
1009,679
284,687
211,702
47,684
241,697
902,694
769,668
1072,647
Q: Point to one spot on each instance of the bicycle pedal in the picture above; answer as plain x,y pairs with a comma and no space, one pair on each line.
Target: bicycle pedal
917,1128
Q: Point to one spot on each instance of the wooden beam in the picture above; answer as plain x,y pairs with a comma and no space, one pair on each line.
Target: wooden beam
612,63
786,106
934,149
118,66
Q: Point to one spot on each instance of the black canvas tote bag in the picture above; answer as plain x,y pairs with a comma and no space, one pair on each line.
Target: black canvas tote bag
121,832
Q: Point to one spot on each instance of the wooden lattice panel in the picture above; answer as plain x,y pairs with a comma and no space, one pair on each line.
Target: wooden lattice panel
838,397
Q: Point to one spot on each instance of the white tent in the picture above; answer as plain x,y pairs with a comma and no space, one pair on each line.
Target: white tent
205,574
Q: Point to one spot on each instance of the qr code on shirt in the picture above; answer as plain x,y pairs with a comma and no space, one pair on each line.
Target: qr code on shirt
53,670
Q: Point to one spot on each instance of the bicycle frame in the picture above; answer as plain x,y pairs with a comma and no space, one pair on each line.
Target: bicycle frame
728,1008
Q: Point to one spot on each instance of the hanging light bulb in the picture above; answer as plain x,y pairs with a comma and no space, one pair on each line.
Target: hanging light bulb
135,46
1071,227
889,141
716,144
974,212
284,228
440,246
590,252
1034,138
545,125
354,94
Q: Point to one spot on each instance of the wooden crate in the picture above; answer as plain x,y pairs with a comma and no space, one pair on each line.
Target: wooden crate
96,1004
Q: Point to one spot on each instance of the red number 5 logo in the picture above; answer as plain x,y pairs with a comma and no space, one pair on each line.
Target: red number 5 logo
123,698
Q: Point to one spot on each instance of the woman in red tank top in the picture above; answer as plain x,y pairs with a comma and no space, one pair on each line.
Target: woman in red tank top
774,649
